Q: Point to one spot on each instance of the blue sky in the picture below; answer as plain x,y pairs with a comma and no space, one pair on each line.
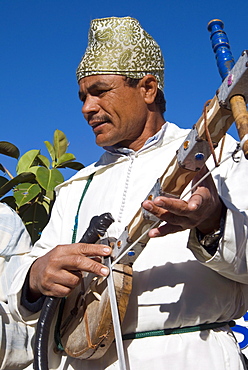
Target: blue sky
42,42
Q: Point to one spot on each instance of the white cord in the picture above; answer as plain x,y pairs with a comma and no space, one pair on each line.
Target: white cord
208,173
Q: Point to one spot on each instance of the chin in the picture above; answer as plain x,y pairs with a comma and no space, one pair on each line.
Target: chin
101,142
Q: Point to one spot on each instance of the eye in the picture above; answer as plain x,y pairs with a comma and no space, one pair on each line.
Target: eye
100,92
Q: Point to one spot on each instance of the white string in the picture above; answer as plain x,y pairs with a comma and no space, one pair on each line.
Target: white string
209,172
115,317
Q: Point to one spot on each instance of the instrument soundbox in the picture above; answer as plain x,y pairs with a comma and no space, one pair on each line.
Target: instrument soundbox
87,332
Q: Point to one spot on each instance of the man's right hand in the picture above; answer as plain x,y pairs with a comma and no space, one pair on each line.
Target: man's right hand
59,271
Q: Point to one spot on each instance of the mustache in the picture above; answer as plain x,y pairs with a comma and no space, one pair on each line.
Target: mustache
99,118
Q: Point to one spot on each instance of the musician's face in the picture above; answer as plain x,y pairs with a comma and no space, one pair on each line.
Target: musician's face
116,112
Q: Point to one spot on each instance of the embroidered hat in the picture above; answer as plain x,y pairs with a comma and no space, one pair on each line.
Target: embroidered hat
121,46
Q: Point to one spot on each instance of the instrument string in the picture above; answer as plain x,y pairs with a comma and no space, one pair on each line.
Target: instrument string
115,316
209,139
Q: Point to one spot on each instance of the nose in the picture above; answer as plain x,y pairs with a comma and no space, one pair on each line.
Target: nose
90,105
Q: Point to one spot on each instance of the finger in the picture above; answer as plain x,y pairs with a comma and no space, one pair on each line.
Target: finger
82,249
79,262
164,208
60,280
164,230
72,258
58,284
97,259
92,250
61,254
90,265
195,202
207,183
65,277
57,290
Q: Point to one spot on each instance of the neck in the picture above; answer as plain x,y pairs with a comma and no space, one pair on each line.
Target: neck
150,129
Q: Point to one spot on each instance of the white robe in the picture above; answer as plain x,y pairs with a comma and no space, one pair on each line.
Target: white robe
176,282
15,337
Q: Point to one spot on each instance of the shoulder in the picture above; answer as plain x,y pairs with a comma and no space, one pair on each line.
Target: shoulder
174,132
106,160
13,234
8,215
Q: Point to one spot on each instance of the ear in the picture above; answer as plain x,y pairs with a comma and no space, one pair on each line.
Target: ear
149,86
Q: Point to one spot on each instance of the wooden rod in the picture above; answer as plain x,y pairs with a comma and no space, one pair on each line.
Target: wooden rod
240,115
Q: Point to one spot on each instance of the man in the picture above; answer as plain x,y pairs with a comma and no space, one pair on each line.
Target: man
15,338
180,280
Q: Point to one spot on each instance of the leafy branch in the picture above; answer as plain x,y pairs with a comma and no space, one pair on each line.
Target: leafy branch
35,180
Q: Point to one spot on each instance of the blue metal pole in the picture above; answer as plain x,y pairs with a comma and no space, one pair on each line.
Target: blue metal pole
221,47
225,63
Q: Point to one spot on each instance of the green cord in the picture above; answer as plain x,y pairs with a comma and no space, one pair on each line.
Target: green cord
79,205
186,329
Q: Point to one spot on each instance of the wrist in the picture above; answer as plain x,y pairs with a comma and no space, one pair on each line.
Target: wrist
210,240
34,292
28,300
214,222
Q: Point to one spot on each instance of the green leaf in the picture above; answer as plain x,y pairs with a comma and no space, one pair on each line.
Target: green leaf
49,179
3,181
39,161
23,177
9,149
60,143
26,192
2,168
44,160
73,165
48,200
26,160
50,195
66,157
35,218
50,149
34,169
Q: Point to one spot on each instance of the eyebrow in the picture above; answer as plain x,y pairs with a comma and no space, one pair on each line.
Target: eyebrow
96,85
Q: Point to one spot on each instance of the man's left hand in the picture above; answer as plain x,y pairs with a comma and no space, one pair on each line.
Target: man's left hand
203,210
